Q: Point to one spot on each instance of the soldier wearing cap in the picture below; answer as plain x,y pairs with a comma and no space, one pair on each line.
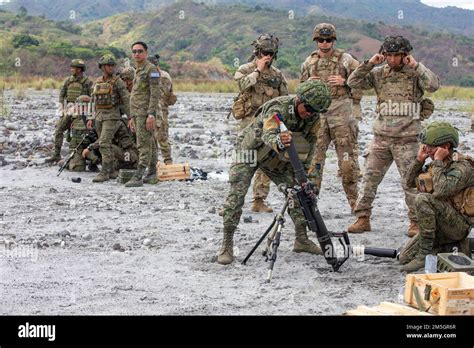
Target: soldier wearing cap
399,83
259,81
109,96
73,87
444,204
333,66
301,115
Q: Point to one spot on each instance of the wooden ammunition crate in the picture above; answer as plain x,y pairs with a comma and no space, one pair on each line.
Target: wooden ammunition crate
385,308
441,293
172,171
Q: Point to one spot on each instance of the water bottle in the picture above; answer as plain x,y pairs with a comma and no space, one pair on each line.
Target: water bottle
431,263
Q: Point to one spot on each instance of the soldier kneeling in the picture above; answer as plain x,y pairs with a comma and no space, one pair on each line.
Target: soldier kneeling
445,202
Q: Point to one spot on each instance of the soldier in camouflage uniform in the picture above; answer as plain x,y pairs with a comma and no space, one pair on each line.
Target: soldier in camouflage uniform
124,149
109,96
127,75
73,87
333,66
259,82
83,108
167,98
445,202
146,112
263,138
399,85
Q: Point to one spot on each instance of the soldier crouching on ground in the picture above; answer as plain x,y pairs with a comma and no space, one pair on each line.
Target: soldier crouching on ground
301,115
445,202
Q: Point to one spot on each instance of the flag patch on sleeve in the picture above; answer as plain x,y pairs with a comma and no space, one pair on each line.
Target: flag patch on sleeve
155,74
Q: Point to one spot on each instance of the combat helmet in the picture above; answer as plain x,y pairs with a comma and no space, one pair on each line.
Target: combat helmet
107,59
127,73
395,44
316,94
154,59
78,63
266,43
438,133
324,31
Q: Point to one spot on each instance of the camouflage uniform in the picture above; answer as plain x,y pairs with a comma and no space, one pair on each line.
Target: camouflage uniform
110,96
445,202
73,87
262,136
394,132
338,124
162,134
256,89
144,101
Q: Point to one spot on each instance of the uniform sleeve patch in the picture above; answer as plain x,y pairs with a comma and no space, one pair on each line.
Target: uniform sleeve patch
154,74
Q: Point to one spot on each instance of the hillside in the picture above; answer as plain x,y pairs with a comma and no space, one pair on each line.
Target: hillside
450,19
193,32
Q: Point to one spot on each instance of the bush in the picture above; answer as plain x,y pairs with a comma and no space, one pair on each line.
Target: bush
23,40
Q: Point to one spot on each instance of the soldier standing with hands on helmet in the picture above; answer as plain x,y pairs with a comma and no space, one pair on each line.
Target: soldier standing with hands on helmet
259,82
399,84
73,87
109,95
301,115
445,202
333,66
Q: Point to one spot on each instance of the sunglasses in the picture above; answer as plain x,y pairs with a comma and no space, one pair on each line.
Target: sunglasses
320,40
309,109
268,53
137,51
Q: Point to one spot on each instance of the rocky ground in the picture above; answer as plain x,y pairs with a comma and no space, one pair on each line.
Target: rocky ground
84,248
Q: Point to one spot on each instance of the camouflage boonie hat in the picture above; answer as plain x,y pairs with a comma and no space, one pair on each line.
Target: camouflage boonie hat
78,63
107,59
316,94
154,59
438,133
324,31
127,73
266,42
395,44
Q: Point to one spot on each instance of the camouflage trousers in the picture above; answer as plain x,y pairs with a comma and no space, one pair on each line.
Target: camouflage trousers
106,130
345,138
162,141
62,125
77,163
125,158
382,152
240,177
146,143
441,227
261,184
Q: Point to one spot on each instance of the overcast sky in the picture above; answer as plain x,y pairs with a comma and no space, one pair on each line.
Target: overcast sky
469,4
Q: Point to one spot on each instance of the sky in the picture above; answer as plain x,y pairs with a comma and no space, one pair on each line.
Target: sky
468,4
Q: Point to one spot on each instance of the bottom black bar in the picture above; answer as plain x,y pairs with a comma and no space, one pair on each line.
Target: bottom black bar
158,330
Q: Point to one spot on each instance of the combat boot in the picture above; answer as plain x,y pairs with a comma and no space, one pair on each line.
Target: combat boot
150,177
259,206
56,157
414,265
305,245
136,180
103,175
360,226
114,174
414,229
226,253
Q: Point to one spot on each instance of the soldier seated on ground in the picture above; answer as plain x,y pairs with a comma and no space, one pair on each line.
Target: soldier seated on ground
445,202
124,150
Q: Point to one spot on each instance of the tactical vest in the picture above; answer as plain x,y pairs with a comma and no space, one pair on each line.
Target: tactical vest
266,88
398,91
104,94
325,67
463,202
75,89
